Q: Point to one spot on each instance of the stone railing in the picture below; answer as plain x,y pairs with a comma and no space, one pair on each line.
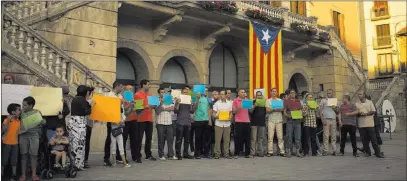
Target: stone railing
376,84
274,12
43,53
31,12
391,91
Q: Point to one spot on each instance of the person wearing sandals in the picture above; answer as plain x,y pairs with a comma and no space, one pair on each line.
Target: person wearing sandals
76,125
59,143
29,137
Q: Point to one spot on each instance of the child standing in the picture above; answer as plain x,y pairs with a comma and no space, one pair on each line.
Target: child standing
59,143
9,137
29,137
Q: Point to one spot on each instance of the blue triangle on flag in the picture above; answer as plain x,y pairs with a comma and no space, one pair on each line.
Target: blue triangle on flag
265,35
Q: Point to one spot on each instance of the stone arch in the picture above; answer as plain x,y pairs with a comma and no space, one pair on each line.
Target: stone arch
188,62
300,80
240,55
131,48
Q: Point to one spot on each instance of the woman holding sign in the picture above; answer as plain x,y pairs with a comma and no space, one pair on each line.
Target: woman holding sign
310,125
80,109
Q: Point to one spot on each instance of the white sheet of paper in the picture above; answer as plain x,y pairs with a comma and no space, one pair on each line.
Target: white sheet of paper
332,102
12,93
185,99
176,93
256,90
48,100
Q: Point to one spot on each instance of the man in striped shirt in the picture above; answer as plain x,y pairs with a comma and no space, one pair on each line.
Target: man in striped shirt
164,127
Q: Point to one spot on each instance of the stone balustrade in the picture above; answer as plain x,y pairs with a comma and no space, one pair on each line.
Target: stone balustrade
376,84
270,11
24,9
45,54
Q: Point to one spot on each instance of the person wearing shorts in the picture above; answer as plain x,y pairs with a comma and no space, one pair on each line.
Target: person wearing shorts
29,139
9,138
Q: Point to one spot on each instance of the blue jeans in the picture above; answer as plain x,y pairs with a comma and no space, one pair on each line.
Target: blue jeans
293,127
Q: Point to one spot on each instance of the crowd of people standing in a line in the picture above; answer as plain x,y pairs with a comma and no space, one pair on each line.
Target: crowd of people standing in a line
196,126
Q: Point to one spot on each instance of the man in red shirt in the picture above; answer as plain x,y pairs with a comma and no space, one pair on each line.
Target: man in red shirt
144,122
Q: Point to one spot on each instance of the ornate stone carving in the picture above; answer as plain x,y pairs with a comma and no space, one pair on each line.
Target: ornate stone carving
291,53
210,40
162,29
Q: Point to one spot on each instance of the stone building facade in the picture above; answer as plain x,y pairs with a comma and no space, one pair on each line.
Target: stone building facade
168,43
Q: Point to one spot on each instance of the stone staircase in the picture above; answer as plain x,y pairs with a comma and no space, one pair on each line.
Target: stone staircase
22,45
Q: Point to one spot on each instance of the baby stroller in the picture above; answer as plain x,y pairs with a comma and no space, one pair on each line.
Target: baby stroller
48,170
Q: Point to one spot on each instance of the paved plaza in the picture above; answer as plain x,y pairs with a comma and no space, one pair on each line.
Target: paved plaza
393,167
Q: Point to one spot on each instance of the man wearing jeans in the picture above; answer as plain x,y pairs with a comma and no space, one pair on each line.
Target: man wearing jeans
164,127
328,116
293,126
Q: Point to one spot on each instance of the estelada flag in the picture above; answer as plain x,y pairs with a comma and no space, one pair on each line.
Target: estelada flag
265,58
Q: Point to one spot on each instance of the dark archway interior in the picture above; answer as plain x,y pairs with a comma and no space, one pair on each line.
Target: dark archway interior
299,83
177,72
130,67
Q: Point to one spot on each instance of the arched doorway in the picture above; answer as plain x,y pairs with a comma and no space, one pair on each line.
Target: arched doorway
298,82
177,72
222,69
130,67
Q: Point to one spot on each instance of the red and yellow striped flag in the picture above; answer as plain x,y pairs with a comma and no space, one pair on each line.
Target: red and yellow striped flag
265,66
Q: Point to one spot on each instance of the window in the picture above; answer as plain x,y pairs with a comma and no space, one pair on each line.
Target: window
222,69
385,64
383,35
265,2
380,9
339,24
276,3
299,7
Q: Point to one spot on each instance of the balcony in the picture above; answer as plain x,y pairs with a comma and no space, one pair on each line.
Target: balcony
379,13
382,42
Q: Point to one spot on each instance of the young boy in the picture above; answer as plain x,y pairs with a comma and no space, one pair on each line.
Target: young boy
9,137
59,143
29,137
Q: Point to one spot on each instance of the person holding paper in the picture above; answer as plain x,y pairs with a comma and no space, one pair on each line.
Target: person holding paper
258,125
310,126
29,137
275,123
222,112
203,125
242,125
130,126
328,116
367,132
145,122
293,126
164,127
347,122
183,127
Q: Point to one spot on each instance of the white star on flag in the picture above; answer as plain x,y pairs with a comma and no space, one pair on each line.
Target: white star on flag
266,36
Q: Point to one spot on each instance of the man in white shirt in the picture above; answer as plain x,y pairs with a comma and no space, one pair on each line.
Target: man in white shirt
367,132
222,127
275,124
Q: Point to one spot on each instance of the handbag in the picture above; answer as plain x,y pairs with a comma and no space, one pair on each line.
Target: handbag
117,131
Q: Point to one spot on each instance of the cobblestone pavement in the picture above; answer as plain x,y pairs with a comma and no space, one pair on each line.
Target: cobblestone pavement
393,167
